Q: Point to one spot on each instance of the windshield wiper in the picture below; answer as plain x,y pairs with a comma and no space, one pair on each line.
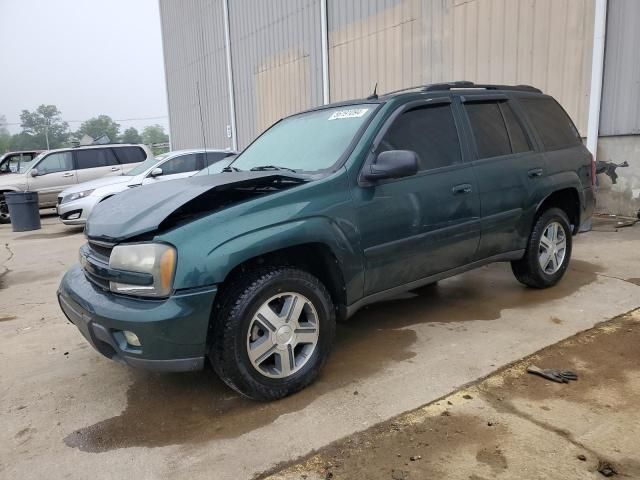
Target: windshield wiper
263,168
229,168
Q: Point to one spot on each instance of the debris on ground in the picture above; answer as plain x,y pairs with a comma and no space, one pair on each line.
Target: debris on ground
467,397
582,458
555,375
606,469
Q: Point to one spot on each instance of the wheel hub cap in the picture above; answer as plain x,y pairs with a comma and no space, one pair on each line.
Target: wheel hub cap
283,334
553,248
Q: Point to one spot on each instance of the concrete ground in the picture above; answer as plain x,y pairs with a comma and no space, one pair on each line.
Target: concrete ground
67,412
511,425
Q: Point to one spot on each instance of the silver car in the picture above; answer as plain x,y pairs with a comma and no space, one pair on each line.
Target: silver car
52,171
76,203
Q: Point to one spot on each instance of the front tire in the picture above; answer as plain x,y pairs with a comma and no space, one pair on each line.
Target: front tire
548,252
4,210
273,329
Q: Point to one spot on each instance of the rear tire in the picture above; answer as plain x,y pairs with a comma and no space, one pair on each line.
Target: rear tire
548,252
263,343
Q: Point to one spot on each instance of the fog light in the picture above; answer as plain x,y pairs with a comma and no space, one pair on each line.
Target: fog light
74,216
131,338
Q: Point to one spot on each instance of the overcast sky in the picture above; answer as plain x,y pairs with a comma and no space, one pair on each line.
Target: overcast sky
87,57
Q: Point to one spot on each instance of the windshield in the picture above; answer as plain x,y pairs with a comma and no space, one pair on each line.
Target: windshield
24,166
146,165
307,142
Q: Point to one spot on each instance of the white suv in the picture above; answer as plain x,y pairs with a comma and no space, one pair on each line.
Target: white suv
54,170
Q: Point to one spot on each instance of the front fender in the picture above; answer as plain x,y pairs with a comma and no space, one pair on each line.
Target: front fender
196,269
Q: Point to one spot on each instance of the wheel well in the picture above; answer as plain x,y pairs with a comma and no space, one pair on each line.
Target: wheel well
315,258
567,200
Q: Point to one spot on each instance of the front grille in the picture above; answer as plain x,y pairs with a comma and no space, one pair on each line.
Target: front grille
99,252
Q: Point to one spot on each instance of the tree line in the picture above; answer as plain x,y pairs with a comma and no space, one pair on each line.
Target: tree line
45,124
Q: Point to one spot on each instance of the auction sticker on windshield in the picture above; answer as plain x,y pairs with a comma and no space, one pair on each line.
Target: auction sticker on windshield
350,113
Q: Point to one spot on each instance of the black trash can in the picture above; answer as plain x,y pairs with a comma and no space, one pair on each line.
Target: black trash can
23,210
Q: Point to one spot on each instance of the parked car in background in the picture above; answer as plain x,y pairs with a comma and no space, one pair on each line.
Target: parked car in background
10,162
54,170
327,211
76,203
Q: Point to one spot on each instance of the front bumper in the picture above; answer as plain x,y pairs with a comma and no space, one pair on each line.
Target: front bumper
172,331
77,211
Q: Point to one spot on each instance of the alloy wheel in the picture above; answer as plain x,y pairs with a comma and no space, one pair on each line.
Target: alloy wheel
553,248
283,335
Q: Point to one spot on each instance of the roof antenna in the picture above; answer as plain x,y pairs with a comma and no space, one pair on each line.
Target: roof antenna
374,95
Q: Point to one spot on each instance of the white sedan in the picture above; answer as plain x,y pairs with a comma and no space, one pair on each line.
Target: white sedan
75,203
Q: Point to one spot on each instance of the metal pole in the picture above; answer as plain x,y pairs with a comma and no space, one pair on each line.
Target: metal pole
46,133
232,103
597,69
325,51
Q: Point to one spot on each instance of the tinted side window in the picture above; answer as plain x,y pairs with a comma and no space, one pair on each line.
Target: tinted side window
181,164
519,140
56,162
95,158
213,157
130,154
428,131
489,130
554,126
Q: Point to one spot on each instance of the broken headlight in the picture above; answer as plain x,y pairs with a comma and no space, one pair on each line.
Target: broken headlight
156,259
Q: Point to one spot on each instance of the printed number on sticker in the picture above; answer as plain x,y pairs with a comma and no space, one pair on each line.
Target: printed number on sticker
351,113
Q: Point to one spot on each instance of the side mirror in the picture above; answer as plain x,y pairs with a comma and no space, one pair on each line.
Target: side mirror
156,172
33,172
392,164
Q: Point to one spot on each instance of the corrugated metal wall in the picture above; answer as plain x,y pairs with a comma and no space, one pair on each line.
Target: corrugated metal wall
620,113
399,43
276,56
194,54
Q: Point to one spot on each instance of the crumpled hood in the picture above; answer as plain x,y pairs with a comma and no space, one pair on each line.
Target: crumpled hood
142,209
97,183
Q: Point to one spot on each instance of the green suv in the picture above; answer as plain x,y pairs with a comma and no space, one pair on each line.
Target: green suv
327,211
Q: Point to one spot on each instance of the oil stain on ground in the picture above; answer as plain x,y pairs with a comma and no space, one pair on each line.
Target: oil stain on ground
170,409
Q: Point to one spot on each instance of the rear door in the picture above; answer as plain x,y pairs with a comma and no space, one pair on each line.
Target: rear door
425,224
95,163
180,166
509,171
55,173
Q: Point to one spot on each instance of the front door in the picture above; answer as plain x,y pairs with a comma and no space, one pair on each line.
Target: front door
55,173
180,166
422,225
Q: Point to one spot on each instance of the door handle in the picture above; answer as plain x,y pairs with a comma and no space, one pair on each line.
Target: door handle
66,175
115,169
535,172
463,188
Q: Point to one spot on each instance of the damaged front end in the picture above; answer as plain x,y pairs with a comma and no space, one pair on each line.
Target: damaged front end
165,205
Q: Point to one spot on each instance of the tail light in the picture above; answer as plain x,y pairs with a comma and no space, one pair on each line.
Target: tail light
593,171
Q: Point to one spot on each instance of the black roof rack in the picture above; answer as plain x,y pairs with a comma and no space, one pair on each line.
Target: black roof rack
484,86
435,87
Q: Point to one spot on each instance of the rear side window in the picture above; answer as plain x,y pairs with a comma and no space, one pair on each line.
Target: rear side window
489,129
428,131
214,157
554,126
519,140
130,154
95,158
